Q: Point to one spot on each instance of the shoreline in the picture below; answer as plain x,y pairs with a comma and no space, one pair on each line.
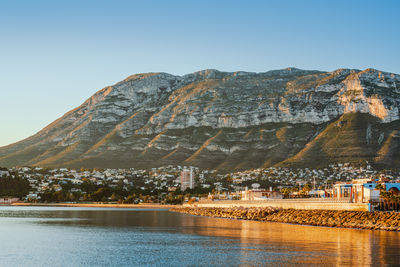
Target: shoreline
94,205
378,220
387,221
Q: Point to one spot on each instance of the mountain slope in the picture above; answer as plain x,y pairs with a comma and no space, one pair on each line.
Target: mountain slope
354,137
227,121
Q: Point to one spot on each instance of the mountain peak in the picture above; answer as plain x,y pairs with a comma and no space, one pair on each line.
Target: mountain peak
215,119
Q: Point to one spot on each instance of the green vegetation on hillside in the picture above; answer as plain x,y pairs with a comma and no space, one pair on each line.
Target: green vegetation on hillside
14,187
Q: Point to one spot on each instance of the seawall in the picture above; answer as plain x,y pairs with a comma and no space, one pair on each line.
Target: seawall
389,221
302,204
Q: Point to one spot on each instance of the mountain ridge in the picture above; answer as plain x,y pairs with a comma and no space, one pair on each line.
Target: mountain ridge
212,119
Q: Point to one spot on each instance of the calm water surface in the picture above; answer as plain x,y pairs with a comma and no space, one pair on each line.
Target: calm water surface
31,236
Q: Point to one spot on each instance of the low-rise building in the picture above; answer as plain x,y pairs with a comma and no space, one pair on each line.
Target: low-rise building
342,190
363,190
260,194
8,200
4,173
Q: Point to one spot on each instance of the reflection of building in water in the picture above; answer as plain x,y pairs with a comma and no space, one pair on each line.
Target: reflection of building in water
187,179
359,253
278,244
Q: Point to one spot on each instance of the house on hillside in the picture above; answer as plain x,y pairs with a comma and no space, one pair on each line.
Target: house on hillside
4,173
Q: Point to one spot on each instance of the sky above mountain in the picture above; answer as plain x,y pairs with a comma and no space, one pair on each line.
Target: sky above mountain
55,54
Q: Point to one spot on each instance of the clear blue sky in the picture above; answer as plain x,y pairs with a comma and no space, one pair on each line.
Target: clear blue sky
56,54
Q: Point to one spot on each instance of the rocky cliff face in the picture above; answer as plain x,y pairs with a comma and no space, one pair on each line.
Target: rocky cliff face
224,120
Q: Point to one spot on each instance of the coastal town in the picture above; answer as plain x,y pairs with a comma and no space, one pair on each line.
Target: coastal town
182,184
200,133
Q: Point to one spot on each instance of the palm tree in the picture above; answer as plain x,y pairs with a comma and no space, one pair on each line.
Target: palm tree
383,195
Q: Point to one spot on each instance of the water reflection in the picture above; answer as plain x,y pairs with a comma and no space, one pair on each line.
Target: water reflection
158,235
318,245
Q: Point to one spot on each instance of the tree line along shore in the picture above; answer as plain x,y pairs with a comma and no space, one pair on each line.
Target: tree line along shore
378,220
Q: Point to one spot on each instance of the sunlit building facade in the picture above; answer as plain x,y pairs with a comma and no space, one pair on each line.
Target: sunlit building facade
187,179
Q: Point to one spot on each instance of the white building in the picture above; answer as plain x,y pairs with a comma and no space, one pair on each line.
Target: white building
4,173
187,179
8,200
260,194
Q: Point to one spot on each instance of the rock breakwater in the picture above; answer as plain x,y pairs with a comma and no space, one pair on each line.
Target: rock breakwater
389,221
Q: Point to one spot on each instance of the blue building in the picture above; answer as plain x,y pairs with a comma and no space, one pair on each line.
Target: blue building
363,190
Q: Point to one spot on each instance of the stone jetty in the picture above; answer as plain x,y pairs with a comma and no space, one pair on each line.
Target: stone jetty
389,221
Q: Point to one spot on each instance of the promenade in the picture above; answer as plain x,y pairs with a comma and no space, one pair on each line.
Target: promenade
301,204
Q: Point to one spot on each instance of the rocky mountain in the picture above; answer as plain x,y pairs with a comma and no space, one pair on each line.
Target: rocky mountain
227,121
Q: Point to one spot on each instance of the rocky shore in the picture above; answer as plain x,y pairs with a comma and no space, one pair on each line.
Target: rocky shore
389,221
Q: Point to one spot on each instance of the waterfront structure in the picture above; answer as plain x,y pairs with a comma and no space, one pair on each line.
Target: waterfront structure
260,194
8,201
342,190
224,196
317,193
363,190
187,179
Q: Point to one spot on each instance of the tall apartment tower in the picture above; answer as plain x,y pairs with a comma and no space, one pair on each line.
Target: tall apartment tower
187,179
